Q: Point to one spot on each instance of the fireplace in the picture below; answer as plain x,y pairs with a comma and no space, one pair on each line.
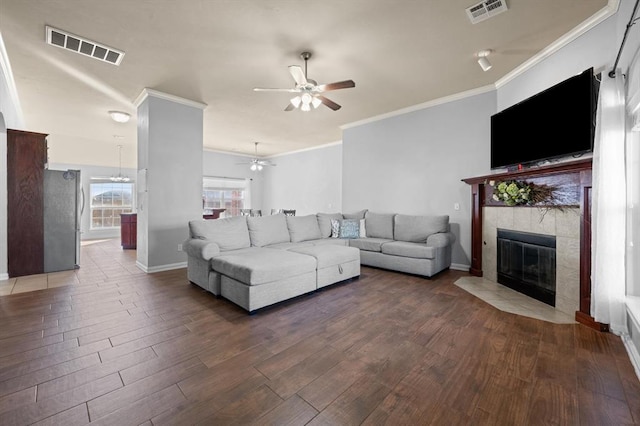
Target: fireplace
526,262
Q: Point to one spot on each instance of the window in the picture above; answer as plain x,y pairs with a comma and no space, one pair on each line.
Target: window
232,195
108,200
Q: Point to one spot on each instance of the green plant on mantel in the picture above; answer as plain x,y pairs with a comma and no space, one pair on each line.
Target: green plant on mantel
521,193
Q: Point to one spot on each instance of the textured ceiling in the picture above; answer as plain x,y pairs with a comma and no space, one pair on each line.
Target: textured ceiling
400,53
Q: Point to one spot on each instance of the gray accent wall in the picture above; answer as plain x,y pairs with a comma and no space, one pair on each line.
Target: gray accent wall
170,150
414,163
306,181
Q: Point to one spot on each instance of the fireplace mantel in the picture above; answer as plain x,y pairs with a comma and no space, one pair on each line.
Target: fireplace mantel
574,173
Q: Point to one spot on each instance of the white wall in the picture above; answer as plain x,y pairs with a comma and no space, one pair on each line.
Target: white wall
414,164
10,118
308,181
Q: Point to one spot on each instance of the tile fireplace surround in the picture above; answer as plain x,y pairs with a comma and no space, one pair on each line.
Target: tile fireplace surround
567,218
563,224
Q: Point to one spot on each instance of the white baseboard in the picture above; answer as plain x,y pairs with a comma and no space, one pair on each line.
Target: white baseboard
460,267
633,313
634,356
161,268
4,276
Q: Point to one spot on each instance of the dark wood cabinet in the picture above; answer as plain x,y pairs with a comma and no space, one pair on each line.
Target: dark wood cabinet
215,214
128,230
26,161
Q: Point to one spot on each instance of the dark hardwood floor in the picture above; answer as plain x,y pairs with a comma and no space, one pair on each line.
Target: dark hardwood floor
125,348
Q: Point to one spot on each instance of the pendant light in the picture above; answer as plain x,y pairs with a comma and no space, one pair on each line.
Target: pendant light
120,178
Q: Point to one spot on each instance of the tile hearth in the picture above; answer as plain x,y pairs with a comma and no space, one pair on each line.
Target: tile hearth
508,300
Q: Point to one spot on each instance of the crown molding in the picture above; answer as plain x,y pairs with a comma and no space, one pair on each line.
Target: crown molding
146,92
609,10
424,105
311,148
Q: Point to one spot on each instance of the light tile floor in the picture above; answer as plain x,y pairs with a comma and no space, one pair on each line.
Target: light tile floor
99,261
509,300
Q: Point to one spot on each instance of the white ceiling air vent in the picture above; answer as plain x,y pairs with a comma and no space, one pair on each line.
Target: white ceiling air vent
485,10
68,41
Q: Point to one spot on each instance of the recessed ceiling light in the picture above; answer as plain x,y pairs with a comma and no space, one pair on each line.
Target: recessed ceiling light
119,116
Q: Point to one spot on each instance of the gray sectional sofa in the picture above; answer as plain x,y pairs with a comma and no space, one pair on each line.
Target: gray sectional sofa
258,261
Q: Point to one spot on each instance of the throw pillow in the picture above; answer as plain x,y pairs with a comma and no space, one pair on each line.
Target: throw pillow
350,228
363,230
335,228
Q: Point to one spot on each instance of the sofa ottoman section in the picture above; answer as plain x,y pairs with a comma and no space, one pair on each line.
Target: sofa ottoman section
263,276
253,297
334,263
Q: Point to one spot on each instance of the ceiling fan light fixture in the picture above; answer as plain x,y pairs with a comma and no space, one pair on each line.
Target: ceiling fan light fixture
306,98
316,102
305,107
254,167
259,167
296,101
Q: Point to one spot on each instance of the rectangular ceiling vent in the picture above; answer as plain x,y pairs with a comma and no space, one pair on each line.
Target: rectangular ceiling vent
68,41
485,10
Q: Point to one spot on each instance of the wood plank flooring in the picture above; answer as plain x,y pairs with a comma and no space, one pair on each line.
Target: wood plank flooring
120,347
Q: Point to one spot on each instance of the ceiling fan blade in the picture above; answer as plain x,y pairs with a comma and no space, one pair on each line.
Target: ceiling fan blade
328,102
337,85
297,74
262,89
290,107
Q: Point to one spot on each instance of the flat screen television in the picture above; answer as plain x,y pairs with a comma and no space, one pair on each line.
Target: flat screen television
557,122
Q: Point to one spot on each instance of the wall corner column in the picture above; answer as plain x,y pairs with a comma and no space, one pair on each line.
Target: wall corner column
169,183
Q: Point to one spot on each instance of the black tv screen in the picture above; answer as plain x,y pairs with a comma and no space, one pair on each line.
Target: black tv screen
557,122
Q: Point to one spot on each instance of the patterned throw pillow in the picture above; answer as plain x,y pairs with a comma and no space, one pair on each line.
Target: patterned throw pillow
335,228
350,228
363,230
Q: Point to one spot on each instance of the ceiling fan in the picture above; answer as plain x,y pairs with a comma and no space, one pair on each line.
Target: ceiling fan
256,164
308,91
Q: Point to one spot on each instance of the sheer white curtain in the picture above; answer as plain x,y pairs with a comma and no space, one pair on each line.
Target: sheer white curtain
609,207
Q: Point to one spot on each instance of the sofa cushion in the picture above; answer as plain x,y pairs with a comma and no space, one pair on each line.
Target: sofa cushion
369,244
406,249
263,265
379,225
416,229
357,215
303,228
324,222
329,256
287,246
265,230
329,241
229,233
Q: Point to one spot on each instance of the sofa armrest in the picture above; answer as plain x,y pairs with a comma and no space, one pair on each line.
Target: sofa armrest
201,249
440,239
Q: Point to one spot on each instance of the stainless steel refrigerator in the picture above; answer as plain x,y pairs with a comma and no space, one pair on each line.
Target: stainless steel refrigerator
62,211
